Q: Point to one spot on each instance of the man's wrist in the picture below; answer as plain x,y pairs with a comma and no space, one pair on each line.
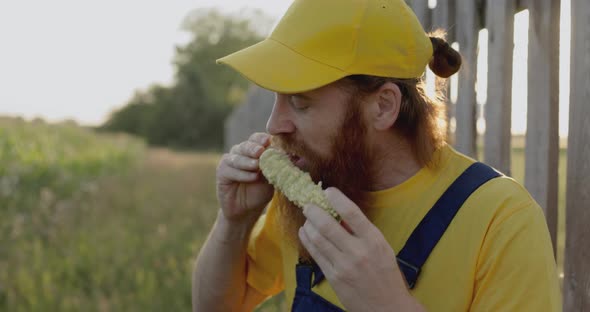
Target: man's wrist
231,231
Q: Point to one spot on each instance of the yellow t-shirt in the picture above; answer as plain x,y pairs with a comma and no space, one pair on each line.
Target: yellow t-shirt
496,254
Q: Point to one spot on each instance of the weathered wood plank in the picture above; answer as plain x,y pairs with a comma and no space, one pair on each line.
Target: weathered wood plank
542,139
467,34
443,17
498,109
249,117
521,5
422,11
576,285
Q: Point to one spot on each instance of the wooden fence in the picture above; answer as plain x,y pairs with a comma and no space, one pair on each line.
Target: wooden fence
463,19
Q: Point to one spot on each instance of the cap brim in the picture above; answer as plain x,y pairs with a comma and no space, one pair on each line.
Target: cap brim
276,67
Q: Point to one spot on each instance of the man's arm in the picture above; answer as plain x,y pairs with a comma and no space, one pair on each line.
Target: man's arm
219,278
516,270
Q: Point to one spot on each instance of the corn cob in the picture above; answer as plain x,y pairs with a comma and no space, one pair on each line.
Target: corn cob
295,184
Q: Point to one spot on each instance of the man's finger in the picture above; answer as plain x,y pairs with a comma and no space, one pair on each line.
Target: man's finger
242,162
315,253
251,149
248,148
327,226
350,213
261,138
328,249
229,174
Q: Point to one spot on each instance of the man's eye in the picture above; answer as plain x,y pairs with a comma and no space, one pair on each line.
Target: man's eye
298,103
301,107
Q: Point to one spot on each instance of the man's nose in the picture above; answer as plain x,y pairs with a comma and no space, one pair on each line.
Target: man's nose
280,121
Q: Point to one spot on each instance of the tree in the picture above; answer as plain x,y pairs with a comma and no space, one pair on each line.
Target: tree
190,112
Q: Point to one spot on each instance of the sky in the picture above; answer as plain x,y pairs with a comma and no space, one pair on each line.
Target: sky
72,59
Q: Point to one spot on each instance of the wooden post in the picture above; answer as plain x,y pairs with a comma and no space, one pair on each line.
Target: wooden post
498,109
443,17
576,284
542,139
521,5
467,33
249,117
422,11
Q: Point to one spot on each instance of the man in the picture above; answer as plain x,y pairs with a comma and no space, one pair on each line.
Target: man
424,228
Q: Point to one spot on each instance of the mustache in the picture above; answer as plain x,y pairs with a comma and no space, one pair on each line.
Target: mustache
289,144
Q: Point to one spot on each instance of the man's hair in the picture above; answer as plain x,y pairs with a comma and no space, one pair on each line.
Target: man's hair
421,120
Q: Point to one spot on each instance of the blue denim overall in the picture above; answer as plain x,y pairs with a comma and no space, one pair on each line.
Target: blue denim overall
416,250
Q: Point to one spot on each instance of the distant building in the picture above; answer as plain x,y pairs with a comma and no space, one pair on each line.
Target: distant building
249,117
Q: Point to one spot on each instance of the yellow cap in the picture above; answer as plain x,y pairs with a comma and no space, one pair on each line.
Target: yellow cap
320,41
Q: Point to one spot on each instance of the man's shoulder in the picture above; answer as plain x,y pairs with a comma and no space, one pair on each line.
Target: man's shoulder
497,197
501,200
506,191
501,190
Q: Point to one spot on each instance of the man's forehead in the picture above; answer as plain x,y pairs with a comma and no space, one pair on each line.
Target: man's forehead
332,89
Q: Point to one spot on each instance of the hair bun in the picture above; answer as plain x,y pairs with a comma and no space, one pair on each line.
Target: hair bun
445,61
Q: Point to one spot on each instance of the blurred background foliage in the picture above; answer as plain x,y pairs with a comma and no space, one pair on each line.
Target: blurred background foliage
189,114
100,220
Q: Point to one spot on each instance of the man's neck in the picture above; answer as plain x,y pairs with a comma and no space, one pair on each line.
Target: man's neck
393,165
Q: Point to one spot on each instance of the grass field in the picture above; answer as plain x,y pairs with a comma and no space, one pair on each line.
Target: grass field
98,223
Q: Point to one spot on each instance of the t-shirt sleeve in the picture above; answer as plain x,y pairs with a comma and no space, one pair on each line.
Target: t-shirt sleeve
265,263
516,270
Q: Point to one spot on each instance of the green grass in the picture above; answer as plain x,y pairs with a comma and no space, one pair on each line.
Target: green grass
96,223
47,172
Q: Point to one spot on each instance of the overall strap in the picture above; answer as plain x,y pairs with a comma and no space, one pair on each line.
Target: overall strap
430,230
305,299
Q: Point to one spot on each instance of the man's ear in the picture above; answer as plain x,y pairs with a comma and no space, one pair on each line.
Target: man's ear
384,107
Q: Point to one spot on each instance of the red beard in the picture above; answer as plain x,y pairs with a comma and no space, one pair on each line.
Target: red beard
346,169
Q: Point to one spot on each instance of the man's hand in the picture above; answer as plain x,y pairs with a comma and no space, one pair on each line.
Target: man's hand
222,262
242,191
358,262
